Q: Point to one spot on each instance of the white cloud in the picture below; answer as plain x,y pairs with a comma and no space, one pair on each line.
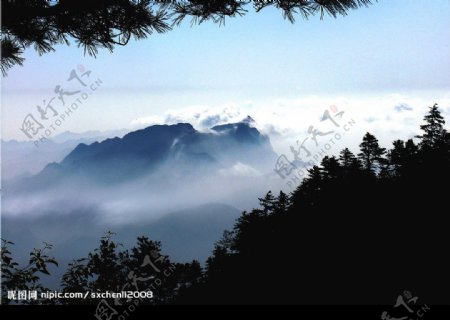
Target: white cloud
203,117
147,121
287,120
402,107
240,169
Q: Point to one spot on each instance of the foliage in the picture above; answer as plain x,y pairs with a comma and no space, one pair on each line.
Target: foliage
43,24
15,277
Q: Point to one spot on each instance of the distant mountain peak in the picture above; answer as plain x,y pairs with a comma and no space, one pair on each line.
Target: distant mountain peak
248,120
183,126
164,150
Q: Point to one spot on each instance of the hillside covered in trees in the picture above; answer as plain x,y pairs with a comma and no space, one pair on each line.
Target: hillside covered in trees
360,229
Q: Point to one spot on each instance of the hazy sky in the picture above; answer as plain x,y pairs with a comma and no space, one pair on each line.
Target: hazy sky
376,58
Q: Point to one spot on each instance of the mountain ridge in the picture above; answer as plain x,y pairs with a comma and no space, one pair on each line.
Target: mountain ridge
168,150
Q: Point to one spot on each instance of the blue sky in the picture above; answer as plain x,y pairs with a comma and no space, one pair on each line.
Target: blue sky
392,52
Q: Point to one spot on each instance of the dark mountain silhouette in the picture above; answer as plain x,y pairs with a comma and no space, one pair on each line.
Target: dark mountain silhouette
26,158
152,146
170,150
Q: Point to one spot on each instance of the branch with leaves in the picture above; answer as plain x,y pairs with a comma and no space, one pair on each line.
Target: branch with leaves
28,278
95,24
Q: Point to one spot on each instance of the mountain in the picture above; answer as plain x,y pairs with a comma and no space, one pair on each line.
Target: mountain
25,158
166,151
149,173
223,145
172,182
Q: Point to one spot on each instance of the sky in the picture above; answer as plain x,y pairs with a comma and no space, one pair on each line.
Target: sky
383,65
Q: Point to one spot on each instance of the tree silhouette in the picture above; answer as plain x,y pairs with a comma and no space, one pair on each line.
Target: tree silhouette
343,234
371,152
434,133
350,165
141,268
95,24
267,203
346,158
330,168
400,156
27,278
282,203
105,269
